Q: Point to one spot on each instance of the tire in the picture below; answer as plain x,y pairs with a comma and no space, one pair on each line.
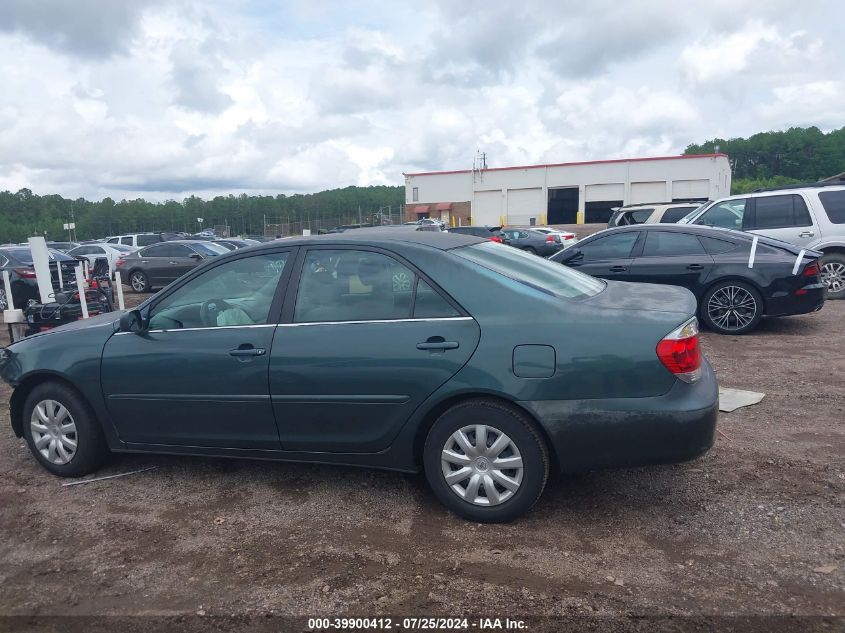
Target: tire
530,249
90,451
832,268
139,282
525,443
731,307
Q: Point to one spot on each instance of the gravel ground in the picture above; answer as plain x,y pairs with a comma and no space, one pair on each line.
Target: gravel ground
754,527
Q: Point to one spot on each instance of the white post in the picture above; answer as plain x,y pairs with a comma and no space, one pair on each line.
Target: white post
80,286
10,304
59,269
41,264
119,284
85,271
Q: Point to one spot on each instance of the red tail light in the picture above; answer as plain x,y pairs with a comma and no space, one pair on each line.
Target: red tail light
25,273
812,270
680,353
120,262
496,238
568,237
550,238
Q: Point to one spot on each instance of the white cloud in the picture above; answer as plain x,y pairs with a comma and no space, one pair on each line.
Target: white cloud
166,99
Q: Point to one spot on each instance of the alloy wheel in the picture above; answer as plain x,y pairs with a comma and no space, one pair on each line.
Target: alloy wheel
482,465
732,308
53,431
833,276
3,302
137,282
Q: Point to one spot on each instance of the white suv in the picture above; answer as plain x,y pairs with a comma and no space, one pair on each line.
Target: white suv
809,216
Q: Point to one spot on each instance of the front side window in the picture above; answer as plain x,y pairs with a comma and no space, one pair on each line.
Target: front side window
727,214
126,240
236,293
537,272
610,247
779,212
666,244
834,205
352,285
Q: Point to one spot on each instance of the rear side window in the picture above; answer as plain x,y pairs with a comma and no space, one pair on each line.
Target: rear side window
666,244
146,240
610,247
536,272
429,304
126,240
673,214
165,250
635,217
834,205
777,212
714,246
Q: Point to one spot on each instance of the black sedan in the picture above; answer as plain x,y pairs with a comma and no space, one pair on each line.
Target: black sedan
534,242
737,278
17,260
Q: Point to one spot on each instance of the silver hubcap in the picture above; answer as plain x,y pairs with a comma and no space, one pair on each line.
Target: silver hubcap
137,282
833,276
3,303
53,431
732,308
482,465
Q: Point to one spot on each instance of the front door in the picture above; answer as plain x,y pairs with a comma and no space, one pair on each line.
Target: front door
197,376
369,340
607,257
676,259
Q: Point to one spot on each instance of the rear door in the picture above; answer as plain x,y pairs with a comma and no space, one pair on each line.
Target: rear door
783,217
365,339
673,258
155,261
608,257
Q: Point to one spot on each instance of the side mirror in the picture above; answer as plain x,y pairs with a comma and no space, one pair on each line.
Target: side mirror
570,254
131,321
196,256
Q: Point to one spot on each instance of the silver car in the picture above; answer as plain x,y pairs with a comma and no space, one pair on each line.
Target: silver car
809,216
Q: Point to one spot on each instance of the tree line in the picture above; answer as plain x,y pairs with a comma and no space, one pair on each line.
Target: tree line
771,159
24,213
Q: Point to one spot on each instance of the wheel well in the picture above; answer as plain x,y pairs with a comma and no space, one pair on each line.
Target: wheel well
735,278
441,408
22,391
839,250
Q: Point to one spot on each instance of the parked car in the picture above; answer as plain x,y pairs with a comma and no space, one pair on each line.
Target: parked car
533,242
492,233
566,237
651,213
17,260
427,222
234,244
159,264
809,216
143,239
110,252
62,247
304,350
737,278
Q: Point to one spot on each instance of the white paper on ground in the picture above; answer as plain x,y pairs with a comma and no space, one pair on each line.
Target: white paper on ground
733,399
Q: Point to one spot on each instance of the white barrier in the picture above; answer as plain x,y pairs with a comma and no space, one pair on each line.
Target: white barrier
41,264
80,286
7,286
119,283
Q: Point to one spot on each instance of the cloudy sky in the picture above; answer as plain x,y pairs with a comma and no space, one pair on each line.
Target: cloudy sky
165,98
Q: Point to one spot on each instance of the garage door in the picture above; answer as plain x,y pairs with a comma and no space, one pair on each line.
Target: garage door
610,191
487,208
684,189
524,204
648,192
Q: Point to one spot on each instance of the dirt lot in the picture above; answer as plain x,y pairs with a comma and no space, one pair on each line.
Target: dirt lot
755,527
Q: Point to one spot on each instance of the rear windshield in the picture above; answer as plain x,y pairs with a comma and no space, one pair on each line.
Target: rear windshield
24,255
209,249
549,277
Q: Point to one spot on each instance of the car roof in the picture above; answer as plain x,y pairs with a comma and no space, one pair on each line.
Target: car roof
376,236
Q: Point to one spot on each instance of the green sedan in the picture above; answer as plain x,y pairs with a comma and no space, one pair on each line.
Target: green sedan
479,364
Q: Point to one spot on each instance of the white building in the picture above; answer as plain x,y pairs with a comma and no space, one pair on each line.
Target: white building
563,193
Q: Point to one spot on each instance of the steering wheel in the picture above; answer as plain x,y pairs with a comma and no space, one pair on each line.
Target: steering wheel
211,309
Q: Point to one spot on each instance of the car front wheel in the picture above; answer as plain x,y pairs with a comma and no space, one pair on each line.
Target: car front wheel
139,281
731,307
486,461
62,431
832,272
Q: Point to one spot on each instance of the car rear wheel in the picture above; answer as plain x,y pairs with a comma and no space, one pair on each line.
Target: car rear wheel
139,281
531,249
732,307
486,461
832,267
62,431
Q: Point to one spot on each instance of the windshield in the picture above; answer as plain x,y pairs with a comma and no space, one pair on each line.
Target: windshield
689,216
539,273
211,250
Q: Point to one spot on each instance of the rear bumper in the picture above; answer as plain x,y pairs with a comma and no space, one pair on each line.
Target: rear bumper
624,432
791,304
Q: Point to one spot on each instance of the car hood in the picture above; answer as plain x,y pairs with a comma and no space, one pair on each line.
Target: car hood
626,295
100,320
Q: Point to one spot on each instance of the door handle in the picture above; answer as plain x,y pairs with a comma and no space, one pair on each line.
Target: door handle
174,263
695,267
247,350
618,269
437,343
806,234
